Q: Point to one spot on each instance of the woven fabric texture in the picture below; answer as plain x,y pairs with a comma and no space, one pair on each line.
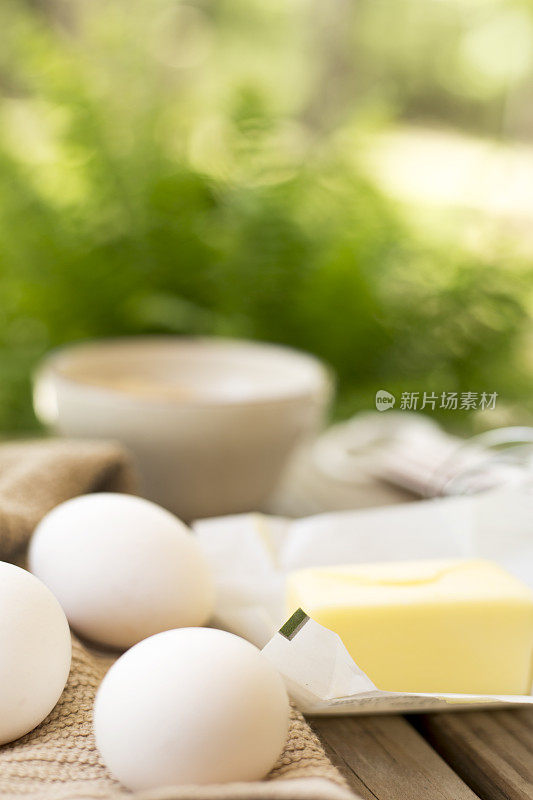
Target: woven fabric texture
59,759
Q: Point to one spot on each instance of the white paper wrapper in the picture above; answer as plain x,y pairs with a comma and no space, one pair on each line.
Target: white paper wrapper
251,554
322,677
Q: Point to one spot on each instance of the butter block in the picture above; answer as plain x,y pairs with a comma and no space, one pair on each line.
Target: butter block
461,626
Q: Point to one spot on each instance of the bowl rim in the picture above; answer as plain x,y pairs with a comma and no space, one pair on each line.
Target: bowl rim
320,381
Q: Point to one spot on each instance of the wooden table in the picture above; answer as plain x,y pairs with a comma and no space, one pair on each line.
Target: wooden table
469,755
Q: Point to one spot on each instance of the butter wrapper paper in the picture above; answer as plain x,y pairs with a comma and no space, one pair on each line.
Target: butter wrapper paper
251,555
322,677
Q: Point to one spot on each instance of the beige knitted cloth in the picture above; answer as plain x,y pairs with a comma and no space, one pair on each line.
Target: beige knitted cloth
59,759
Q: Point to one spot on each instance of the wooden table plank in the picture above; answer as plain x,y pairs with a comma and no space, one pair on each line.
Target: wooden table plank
385,758
491,750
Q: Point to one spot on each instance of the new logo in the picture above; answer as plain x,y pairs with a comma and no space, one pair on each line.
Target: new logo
384,400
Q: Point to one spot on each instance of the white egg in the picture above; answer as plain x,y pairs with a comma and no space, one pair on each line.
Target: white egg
122,568
188,706
35,651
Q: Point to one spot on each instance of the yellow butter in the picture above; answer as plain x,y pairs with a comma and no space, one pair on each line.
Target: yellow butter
462,626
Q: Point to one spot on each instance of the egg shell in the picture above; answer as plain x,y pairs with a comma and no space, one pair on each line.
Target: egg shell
122,568
191,706
35,652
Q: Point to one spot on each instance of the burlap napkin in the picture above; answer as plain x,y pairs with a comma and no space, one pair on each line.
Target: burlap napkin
59,759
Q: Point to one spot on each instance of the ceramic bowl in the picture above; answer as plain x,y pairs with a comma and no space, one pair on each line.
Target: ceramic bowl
212,422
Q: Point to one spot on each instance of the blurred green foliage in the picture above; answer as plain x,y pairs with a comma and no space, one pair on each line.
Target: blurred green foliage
196,167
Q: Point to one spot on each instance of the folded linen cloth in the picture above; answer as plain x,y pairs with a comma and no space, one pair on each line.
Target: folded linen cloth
37,475
59,759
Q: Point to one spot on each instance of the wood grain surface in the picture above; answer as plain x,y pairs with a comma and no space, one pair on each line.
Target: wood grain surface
491,750
385,758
